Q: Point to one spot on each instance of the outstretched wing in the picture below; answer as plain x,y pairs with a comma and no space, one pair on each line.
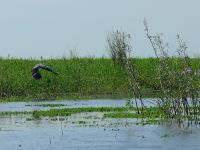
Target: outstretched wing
47,68
35,70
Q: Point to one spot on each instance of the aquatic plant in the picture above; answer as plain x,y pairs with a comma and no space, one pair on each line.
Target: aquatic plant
69,111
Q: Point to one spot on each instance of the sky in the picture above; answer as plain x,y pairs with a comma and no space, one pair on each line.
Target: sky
54,28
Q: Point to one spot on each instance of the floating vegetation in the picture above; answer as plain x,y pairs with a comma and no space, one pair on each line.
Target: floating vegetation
149,122
164,136
152,112
81,122
69,111
29,119
47,105
92,117
9,113
150,115
109,112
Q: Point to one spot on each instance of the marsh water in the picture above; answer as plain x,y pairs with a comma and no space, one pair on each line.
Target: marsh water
89,131
30,106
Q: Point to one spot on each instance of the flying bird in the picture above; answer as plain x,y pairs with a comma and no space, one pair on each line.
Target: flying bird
36,73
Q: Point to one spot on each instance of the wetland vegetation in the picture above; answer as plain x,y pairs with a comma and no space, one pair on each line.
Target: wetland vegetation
79,78
150,114
177,83
173,80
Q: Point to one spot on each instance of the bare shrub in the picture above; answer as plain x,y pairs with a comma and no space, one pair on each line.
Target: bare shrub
119,47
177,83
120,50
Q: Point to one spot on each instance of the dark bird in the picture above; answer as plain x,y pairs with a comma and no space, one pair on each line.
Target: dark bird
36,73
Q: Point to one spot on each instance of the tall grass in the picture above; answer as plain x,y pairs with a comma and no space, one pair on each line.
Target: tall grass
81,76
85,76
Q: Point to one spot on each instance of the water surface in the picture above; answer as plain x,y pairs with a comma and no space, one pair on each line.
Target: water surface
89,131
30,106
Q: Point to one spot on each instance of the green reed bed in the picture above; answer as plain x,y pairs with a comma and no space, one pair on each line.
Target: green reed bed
79,77
83,77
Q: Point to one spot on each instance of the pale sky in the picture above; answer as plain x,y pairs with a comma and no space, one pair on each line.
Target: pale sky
50,28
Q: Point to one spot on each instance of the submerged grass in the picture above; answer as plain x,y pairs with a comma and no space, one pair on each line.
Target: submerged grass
113,112
150,115
69,111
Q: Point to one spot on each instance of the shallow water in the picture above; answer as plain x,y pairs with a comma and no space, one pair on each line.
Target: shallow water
59,135
89,131
29,106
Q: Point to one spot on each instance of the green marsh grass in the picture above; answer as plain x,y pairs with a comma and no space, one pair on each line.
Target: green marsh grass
79,78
